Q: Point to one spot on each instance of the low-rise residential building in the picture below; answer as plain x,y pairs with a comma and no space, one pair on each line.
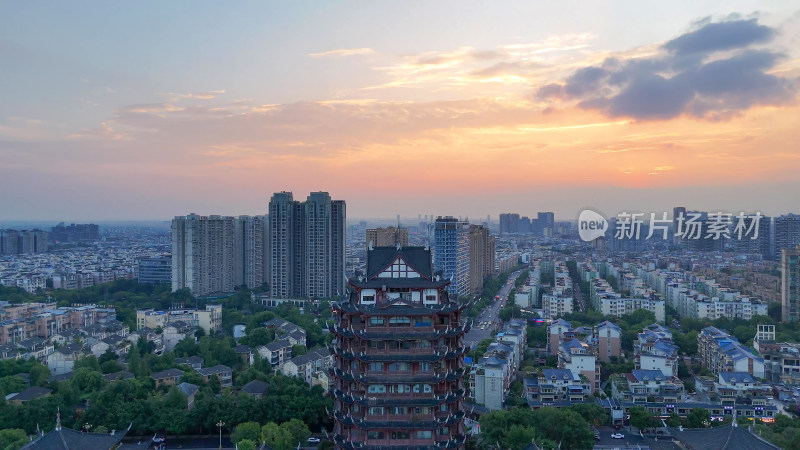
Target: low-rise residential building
195,362
224,373
643,386
276,352
209,319
169,377
63,358
305,366
32,393
189,390
255,388
579,357
609,340
721,352
556,387
730,388
654,350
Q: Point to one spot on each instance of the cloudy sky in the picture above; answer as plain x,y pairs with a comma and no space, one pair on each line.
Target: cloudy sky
146,110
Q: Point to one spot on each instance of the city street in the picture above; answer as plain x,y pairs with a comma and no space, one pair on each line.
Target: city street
475,335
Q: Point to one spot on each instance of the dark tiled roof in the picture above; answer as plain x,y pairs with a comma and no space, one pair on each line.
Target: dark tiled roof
125,375
66,439
255,387
218,369
242,349
381,257
169,373
59,378
32,393
190,360
378,283
188,388
721,438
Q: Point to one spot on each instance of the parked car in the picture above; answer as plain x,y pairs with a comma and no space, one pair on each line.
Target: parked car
159,438
617,436
313,440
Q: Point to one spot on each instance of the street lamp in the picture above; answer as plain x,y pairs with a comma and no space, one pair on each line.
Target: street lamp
220,425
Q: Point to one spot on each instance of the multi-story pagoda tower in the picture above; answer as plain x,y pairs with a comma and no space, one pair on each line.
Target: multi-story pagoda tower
397,382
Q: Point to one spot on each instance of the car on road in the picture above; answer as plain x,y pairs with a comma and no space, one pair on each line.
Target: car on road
159,438
617,436
313,440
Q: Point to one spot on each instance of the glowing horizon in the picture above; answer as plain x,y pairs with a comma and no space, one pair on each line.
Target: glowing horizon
211,110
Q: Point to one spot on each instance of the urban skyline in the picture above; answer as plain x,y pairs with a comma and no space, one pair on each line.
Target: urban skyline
689,103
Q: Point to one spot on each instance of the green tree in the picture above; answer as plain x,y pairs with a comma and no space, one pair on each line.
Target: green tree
299,350
641,418
87,380
247,430
565,426
246,444
276,437
39,374
592,413
518,437
699,418
89,362
12,439
674,420
110,366
11,384
298,429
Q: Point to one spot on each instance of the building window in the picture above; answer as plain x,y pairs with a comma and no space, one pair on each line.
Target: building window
376,411
376,389
375,435
424,434
422,322
400,434
377,321
400,321
376,367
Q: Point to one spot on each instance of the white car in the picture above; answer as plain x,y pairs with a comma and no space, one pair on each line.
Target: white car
617,436
313,440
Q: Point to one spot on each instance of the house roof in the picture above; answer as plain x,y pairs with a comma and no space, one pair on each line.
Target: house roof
32,393
124,374
720,438
277,345
215,370
310,356
188,389
190,360
559,374
70,349
66,439
255,387
736,377
169,373
59,378
419,258
242,349
648,375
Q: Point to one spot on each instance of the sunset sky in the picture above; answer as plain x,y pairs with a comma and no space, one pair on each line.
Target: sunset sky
150,109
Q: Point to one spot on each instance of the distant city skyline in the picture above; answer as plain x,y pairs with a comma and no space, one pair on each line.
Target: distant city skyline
148,110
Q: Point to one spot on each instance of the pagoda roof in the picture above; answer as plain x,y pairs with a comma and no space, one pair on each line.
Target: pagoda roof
419,258
66,439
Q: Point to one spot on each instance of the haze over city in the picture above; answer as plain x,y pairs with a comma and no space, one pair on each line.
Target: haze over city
148,110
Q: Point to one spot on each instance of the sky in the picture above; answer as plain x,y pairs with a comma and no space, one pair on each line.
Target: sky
147,110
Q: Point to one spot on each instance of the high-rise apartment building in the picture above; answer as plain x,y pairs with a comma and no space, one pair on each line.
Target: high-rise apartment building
790,284
397,379
306,246
787,232
481,257
16,242
509,223
387,237
451,253
212,254
155,270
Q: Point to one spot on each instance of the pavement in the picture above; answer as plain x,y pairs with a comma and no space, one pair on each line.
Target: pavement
475,335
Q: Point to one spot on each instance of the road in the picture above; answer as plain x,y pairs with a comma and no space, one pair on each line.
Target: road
475,335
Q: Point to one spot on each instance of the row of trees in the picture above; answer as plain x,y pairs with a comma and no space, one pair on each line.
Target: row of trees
285,436
565,428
